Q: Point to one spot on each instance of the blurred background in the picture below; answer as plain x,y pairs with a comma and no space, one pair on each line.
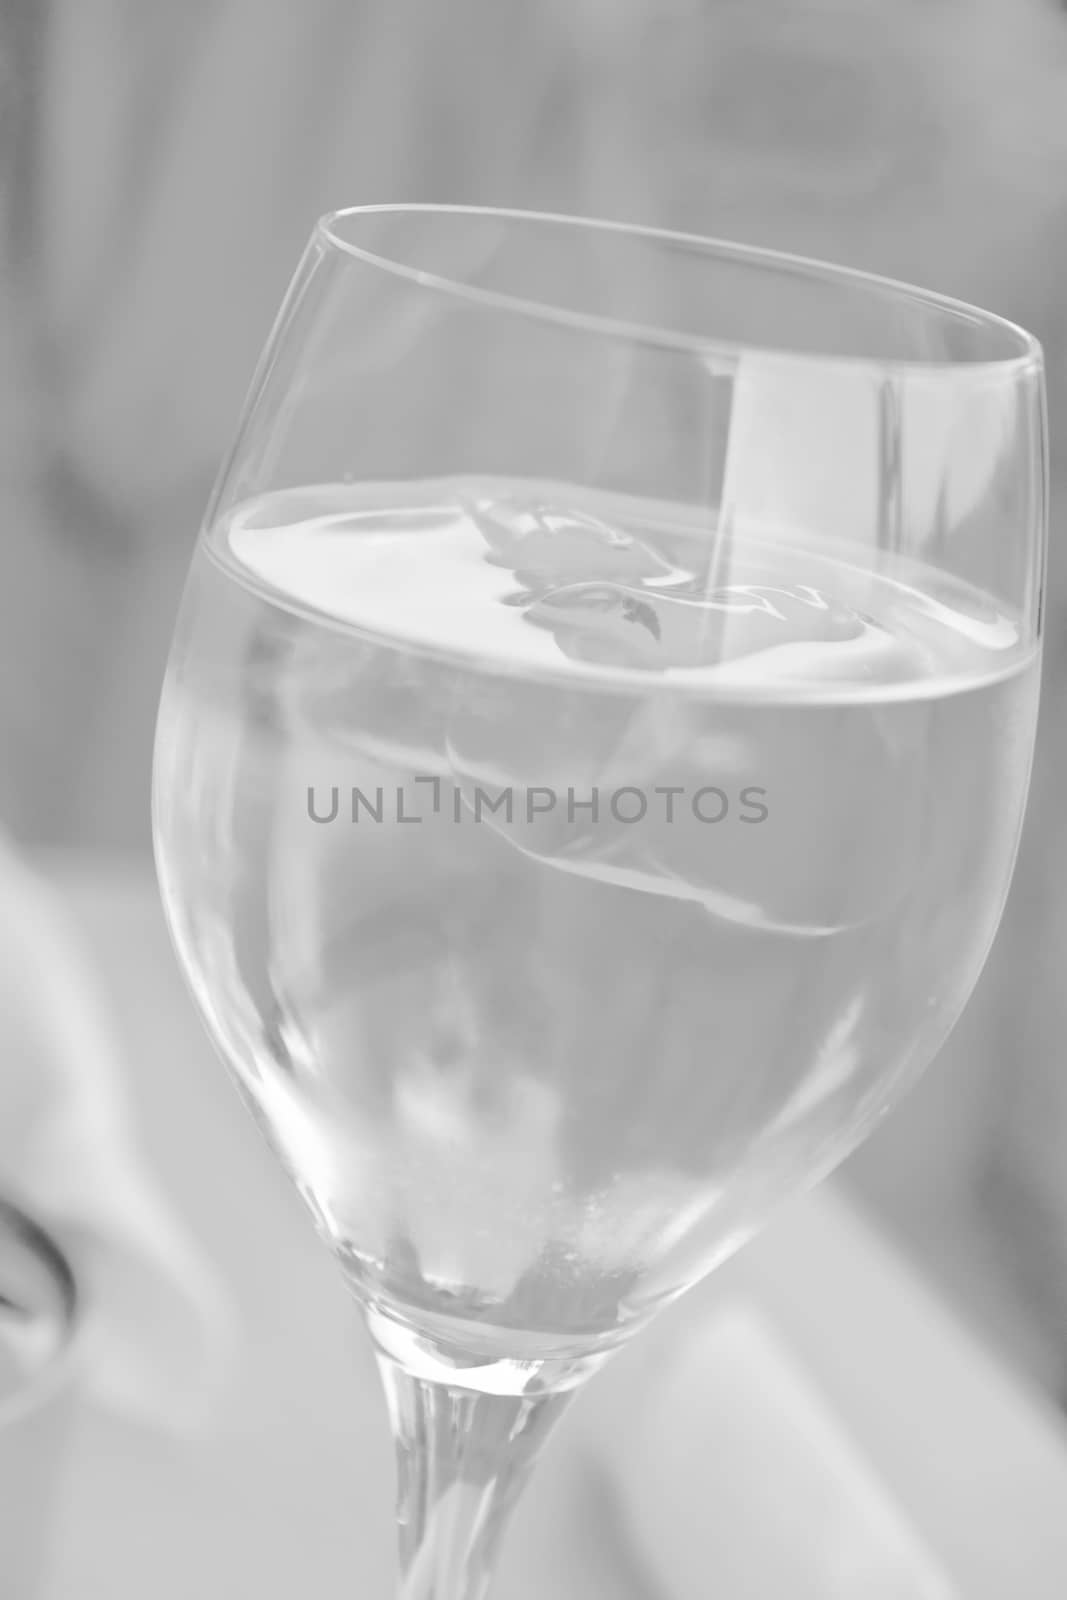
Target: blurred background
160,169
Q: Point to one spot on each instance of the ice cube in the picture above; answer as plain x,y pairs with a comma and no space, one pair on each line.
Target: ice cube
548,545
528,757
815,833
683,627
775,814
745,803
368,702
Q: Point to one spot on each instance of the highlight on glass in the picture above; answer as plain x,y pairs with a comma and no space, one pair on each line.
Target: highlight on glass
660,621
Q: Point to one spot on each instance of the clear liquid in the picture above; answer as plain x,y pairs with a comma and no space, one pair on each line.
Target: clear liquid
534,1066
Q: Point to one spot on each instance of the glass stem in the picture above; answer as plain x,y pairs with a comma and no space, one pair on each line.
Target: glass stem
462,1458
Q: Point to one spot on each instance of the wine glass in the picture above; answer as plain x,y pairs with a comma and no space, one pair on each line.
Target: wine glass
589,774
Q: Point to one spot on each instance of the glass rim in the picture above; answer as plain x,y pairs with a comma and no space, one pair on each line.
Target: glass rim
56,1369
1026,360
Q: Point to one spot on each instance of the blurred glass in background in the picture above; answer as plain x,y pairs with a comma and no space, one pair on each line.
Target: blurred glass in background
39,1318
160,169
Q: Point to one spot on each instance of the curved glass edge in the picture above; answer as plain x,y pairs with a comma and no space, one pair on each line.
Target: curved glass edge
59,1367
1028,362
